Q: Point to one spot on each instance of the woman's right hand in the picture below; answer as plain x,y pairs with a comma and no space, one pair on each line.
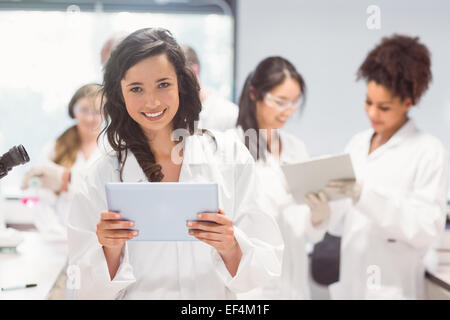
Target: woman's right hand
51,176
318,204
111,231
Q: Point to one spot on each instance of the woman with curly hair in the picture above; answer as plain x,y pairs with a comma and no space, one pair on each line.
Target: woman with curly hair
397,205
151,96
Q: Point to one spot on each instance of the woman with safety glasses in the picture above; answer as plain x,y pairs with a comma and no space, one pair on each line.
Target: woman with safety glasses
272,93
64,161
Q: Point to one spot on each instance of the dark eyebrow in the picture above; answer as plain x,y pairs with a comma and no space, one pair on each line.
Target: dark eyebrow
134,84
140,83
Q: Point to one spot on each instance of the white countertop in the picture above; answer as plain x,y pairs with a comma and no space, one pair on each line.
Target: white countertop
37,261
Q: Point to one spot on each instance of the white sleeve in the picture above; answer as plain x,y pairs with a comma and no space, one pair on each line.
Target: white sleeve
297,219
338,212
416,217
340,208
257,233
313,234
86,253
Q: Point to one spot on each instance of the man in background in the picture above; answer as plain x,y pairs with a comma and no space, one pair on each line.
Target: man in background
217,112
110,45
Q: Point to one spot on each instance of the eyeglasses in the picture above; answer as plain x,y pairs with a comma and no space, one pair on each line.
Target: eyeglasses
276,102
86,111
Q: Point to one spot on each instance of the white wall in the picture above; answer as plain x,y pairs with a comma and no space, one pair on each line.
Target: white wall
327,40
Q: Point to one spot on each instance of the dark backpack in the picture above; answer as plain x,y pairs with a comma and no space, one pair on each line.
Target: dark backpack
325,259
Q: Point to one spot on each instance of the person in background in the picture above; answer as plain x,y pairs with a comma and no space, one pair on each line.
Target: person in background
109,45
272,93
397,205
217,112
151,95
63,163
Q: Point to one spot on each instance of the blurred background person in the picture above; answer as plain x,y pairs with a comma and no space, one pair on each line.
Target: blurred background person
110,44
217,112
272,93
64,161
398,202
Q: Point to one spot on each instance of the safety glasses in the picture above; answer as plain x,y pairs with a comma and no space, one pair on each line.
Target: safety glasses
86,111
276,102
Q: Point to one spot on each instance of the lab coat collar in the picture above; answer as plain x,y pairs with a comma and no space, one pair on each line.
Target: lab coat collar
194,154
403,133
132,171
194,151
287,156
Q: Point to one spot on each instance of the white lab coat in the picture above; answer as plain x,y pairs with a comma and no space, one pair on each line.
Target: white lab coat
60,203
217,113
178,270
400,213
294,221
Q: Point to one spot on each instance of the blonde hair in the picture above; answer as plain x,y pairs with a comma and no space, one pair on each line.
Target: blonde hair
68,144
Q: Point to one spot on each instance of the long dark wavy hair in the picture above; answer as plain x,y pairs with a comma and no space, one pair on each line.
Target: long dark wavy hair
269,73
122,131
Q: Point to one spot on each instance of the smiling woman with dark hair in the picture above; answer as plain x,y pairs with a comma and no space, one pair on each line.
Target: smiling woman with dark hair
398,203
150,96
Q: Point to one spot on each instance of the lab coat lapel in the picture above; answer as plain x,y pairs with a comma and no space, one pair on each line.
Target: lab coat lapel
403,133
201,166
194,160
286,156
132,171
198,163
195,168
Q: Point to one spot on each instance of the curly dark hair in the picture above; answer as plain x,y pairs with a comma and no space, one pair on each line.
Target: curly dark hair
401,64
122,131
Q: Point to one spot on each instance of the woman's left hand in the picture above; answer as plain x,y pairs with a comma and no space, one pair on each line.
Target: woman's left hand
216,229
346,187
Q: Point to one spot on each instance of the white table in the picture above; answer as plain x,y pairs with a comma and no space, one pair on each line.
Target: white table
37,261
438,277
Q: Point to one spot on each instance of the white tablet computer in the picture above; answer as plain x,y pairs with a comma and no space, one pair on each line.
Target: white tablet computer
313,175
160,209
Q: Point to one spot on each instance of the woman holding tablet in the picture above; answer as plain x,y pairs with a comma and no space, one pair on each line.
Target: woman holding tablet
398,204
271,95
151,96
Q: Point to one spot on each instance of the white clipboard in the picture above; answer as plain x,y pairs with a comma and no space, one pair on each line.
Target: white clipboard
160,209
313,175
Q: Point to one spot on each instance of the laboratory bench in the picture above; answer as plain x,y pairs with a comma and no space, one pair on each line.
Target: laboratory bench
36,260
41,261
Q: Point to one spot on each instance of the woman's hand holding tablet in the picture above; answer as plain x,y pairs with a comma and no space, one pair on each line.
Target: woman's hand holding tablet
112,233
217,230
